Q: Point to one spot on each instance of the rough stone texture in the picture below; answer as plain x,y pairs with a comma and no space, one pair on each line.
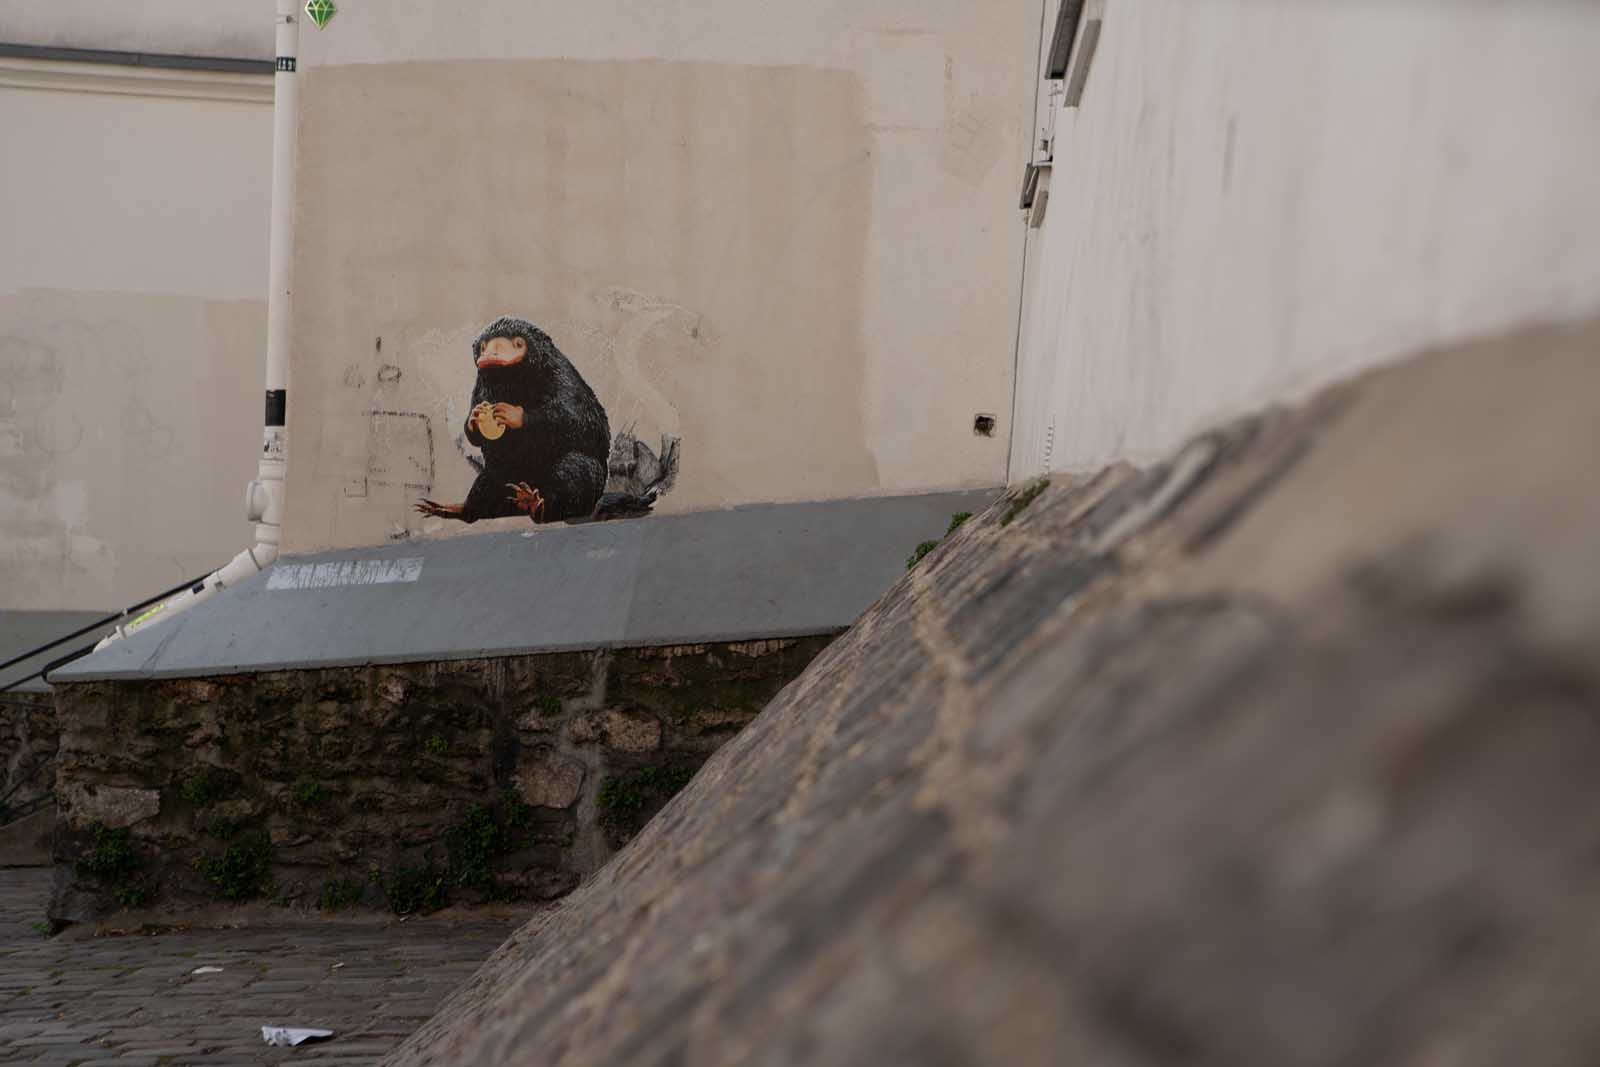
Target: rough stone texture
25,842
403,786
548,781
109,805
27,746
1281,753
618,730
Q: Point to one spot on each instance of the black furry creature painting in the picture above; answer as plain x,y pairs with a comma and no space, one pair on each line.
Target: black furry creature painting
544,437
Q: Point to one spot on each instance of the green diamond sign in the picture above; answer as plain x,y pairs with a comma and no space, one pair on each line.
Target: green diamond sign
321,11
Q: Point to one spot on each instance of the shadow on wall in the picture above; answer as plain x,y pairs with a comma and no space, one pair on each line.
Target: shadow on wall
692,236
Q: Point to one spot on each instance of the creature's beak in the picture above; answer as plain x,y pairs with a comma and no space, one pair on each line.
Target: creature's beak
487,360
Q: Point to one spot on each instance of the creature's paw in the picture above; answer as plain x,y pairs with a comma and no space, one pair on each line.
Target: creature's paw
508,415
527,499
438,510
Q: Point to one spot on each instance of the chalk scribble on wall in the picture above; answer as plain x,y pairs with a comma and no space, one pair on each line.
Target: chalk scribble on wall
546,442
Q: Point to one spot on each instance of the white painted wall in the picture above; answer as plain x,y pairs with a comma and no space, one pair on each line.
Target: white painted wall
1258,197
228,29
133,209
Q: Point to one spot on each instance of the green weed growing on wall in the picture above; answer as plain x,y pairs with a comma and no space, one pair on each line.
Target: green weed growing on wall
473,846
417,890
112,860
625,799
307,792
928,546
204,789
1020,502
240,872
112,856
339,893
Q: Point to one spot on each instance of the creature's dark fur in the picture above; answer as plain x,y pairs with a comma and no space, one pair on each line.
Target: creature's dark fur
562,447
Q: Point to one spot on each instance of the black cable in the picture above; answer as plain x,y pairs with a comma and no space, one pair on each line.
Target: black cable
48,667
124,613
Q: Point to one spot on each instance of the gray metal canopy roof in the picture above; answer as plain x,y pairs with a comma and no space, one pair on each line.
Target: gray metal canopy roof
771,570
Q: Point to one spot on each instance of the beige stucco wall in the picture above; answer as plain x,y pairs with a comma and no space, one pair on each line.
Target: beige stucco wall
1256,198
783,232
132,327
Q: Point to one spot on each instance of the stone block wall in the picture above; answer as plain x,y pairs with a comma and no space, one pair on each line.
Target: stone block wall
407,786
27,745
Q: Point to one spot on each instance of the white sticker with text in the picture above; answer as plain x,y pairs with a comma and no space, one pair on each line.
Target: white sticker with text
344,572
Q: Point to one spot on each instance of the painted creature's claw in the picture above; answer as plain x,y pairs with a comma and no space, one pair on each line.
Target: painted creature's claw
436,509
526,498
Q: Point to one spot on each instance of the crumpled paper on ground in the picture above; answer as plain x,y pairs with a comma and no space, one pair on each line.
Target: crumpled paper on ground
292,1035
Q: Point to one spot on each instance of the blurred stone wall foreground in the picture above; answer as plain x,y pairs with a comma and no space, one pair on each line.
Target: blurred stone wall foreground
1280,752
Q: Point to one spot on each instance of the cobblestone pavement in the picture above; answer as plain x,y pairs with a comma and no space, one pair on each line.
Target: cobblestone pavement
133,999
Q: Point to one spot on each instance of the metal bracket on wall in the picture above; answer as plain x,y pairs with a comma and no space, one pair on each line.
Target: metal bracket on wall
1081,61
1030,183
1073,46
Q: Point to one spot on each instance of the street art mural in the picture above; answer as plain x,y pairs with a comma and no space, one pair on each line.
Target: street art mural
545,442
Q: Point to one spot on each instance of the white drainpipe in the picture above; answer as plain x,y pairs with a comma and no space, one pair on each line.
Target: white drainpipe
264,495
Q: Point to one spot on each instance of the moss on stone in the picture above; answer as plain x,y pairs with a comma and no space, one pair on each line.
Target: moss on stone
131,894
340,893
307,792
204,789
